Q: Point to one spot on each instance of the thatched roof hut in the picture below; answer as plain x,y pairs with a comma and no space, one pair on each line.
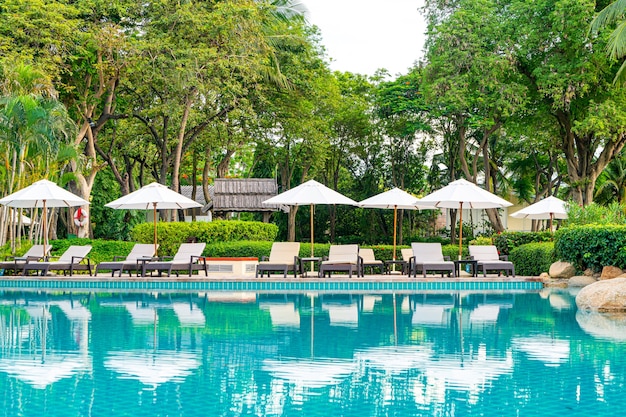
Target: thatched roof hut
243,195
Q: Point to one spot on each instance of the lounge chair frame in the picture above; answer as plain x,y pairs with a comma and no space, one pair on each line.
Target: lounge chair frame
429,257
342,258
16,263
188,258
284,257
139,255
70,261
488,259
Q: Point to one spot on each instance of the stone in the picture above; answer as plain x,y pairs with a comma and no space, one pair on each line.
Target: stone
581,281
588,272
605,295
544,276
610,272
562,269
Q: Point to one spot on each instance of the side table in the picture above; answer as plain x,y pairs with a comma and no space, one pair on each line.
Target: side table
314,260
459,262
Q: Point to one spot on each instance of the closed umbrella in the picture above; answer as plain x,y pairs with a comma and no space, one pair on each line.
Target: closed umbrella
310,193
549,208
461,194
393,199
43,194
153,196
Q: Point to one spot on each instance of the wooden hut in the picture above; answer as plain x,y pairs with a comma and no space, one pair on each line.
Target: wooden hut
232,195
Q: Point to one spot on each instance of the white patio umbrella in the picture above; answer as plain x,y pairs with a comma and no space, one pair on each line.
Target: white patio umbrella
461,193
153,196
393,199
549,208
310,193
43,194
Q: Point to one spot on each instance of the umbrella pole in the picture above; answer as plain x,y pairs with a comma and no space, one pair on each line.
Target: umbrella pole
44,228
154,215
551,216
461,230
395,222
312,239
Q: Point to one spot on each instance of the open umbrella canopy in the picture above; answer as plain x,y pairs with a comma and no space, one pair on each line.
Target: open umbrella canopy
42,194
310,193
549,207
462,194
153,196
395,199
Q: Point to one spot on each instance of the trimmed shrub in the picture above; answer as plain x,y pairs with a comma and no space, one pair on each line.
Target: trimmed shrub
171,234
102,250
592,246
482,241
532,259
506,241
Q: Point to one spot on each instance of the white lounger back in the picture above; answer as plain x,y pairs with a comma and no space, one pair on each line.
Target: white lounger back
284,252
368,255
343,254
427,252
406,254
141,250
484,253
74,251
187,250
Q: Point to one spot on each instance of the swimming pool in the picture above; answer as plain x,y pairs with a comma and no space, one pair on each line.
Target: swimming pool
220,353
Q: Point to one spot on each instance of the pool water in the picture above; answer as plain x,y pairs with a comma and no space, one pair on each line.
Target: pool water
316,354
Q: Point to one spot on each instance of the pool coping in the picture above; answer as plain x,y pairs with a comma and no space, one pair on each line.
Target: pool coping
335,284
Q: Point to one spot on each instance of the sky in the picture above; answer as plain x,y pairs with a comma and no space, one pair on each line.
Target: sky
362,36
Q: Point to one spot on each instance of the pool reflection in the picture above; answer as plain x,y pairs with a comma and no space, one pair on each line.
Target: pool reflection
436,353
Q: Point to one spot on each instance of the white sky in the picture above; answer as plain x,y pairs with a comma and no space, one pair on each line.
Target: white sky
362,36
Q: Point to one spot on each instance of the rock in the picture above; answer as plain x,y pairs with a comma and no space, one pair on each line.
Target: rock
610,272
588,272
544,276
581,281
562,270
606,295
606,326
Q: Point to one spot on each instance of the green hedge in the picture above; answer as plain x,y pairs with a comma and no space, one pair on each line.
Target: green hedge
171,234
102,250
592,246
532,259
507,241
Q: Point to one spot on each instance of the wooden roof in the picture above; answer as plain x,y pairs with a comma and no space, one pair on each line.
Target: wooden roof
243,194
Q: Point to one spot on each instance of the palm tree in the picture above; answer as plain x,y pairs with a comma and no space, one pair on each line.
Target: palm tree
34,128
612,182
614,13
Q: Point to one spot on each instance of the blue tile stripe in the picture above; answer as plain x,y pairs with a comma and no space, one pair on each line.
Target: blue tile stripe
278,286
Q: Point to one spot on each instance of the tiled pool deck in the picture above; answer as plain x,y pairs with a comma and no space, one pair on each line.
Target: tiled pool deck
378,283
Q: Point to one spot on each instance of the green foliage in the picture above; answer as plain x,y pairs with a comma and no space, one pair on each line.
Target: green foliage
507,241
531,259
102,250
171,234
592,246
6,250
482,241
594,214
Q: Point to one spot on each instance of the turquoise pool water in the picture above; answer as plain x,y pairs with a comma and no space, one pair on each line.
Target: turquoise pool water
435,353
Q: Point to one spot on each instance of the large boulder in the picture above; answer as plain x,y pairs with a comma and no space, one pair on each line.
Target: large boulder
610,272
581,281
562,269
606,295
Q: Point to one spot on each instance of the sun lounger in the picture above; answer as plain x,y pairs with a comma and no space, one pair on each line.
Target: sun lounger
188,258
283,258
370,261
71,260
429,257
16,264
342,258
488,259
136,259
